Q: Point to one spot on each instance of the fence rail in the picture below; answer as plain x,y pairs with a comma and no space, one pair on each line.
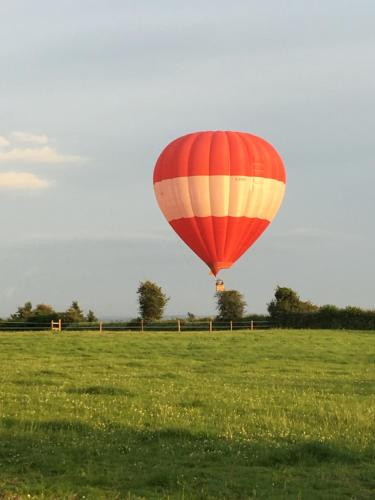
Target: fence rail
181,326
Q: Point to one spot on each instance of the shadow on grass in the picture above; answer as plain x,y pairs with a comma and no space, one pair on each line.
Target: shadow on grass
34,382
99,390
63,458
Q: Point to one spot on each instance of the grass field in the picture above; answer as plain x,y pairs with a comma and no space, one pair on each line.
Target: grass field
274,414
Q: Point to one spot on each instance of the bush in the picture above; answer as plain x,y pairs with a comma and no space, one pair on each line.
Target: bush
330,317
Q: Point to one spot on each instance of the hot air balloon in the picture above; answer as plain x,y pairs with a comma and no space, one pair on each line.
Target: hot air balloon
219,191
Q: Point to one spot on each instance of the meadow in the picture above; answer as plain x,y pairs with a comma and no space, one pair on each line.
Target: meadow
271,414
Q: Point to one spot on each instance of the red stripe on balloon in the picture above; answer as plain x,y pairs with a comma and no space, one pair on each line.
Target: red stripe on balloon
219,153
219,241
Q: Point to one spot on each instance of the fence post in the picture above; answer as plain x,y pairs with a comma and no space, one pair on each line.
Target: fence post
142,327
251,325
210,326
56,326
231,325
100,326
178,325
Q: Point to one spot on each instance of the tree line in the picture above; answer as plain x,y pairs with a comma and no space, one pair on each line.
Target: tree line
285,310
45,313
151,305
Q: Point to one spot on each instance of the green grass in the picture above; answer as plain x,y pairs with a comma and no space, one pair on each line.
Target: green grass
274,414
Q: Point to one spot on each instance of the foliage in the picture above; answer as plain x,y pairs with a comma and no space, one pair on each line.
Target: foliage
287,301
152,301
230,305
288,311
74,314
91,318
330,317
23,312
44,313
40,313
296,409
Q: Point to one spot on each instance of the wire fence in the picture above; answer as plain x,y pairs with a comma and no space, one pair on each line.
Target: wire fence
177,325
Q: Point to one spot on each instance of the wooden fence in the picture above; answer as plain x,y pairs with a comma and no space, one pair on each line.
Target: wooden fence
178,325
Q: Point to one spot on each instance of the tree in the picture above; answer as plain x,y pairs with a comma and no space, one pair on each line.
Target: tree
44,313
91,318
74,314
230,305
152,301
23,312
287,301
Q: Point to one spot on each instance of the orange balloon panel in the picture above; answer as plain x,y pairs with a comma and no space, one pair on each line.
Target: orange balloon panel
219,191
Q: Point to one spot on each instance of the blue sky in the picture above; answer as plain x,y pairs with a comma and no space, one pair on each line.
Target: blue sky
91,92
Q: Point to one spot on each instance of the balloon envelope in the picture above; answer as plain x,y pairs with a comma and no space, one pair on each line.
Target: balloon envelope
219,191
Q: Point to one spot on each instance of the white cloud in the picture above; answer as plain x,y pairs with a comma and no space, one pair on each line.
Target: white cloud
21,180
29,137
26,147
3,141
39,155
